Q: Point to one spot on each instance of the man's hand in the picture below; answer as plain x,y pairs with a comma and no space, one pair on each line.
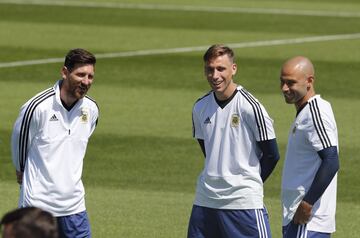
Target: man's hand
303,213
19,177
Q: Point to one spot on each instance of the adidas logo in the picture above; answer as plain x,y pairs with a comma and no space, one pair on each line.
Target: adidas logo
53,118
207,121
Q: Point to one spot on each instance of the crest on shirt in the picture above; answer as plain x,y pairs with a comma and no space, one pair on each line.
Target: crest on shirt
84,118
235,120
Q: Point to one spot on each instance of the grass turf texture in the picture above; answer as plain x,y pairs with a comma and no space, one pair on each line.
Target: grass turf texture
142,164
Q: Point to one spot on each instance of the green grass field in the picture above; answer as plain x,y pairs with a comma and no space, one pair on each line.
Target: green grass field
142,163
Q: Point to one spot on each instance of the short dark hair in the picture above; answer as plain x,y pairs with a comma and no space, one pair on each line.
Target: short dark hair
218,50
31,222
78,56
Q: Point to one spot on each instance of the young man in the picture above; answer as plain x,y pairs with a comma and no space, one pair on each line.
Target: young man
49,143
237,138
311,163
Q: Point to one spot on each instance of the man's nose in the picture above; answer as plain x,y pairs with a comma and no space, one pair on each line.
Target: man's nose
216,74
284,87
87,81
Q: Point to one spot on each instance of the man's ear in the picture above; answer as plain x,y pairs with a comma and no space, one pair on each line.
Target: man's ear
64,72
234,69
310,81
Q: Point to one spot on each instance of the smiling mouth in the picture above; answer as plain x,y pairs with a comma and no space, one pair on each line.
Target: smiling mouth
288,97
216,83
82,90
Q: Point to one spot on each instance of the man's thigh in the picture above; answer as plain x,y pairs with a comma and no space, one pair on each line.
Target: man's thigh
223,223
249,223
74,226
203,223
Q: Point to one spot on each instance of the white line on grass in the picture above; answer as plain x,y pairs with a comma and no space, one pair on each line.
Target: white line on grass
191,49
166,7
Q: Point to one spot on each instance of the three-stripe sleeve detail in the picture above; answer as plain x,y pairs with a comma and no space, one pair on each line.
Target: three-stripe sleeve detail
319,125
261,224
259,116
25,125
88,97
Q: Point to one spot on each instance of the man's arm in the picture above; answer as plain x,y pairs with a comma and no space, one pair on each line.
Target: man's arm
15,149
326,172
21,133
270,157
15,143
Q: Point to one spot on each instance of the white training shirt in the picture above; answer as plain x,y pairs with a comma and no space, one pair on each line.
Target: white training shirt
49,143
314,129
231,176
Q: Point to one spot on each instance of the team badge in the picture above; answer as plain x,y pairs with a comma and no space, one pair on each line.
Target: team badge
235,120
84,115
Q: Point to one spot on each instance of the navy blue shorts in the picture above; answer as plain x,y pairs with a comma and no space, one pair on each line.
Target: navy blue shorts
74,226
300,231
223,223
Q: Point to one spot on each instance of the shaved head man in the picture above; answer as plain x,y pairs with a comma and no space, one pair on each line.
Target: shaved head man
309,179
297,80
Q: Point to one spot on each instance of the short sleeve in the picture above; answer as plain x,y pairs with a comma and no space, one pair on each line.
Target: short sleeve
258,119
322,132
196,125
